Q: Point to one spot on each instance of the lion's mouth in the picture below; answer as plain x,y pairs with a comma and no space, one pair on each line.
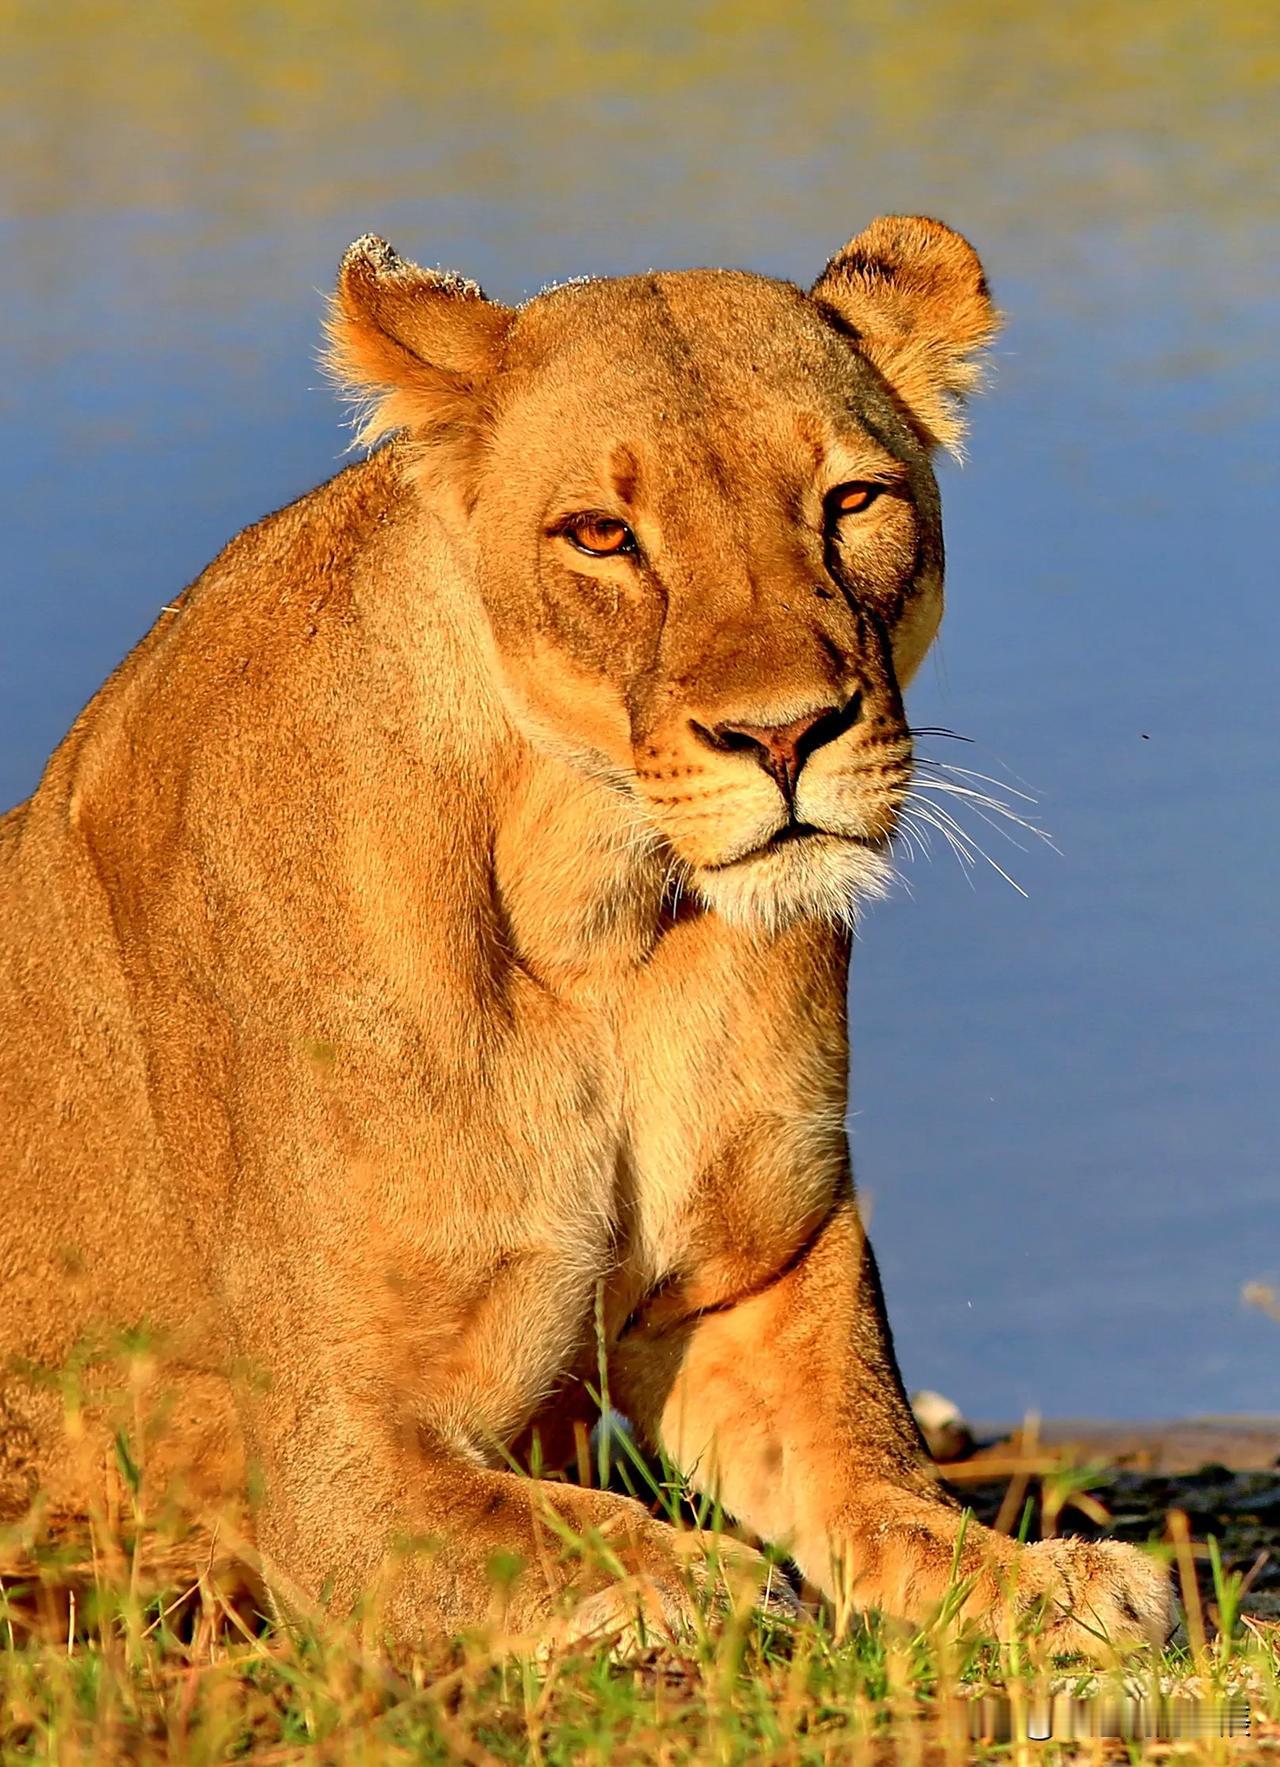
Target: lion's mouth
794,831
792,834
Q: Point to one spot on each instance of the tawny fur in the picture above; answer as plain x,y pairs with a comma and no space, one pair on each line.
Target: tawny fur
398,973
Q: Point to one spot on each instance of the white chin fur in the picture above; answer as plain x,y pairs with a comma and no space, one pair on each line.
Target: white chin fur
821,879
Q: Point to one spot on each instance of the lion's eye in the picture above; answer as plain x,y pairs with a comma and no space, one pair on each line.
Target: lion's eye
853,498
599,535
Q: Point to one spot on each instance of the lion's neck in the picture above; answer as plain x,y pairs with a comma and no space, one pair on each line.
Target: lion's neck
579,879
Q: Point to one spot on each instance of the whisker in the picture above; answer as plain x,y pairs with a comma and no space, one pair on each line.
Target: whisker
677,891
907,835
1004,832
954,736
948,828
970,773
898,879
981,802
938,730
925,813
914,833
962,834
984,800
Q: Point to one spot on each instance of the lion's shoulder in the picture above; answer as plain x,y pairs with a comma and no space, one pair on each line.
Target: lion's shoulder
315,535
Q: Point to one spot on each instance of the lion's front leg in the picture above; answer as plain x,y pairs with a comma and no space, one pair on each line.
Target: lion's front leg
418,1533
374,1441
788,1405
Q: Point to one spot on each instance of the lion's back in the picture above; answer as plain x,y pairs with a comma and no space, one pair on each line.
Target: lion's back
98,1234
103,1223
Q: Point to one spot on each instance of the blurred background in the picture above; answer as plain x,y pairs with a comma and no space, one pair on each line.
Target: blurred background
1064,1105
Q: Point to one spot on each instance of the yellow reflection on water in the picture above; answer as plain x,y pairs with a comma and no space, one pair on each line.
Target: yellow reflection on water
750,112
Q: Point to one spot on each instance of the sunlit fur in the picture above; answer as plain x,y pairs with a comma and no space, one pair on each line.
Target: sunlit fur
400,1017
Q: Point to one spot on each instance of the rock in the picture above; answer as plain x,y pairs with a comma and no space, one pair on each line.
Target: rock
947,1436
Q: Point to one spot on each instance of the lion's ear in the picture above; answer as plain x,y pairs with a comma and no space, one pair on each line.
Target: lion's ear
913,295
412,346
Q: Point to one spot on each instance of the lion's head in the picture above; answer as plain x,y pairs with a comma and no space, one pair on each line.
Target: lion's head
700,515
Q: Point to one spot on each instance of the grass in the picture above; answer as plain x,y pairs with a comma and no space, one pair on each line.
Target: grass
109,1651
136,1634
183,1673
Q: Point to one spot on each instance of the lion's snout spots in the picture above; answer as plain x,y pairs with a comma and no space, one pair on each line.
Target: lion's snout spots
660,773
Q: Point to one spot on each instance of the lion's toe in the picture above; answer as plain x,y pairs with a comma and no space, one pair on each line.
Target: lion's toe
1098,1596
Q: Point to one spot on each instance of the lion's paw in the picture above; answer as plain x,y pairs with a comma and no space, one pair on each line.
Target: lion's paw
1096,1597
704,1578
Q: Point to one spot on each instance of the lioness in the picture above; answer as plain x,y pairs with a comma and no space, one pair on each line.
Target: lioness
428,953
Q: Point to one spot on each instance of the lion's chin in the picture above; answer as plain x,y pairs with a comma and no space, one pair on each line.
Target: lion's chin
822,877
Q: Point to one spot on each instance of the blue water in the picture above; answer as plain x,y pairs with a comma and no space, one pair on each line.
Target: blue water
1065,1105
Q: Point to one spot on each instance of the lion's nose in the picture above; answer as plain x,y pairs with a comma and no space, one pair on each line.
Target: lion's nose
783,749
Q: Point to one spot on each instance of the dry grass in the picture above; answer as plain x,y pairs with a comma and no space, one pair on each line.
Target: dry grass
137,1635
128,1638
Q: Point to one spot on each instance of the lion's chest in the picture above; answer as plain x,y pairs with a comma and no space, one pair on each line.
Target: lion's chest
611,1144
644,1136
